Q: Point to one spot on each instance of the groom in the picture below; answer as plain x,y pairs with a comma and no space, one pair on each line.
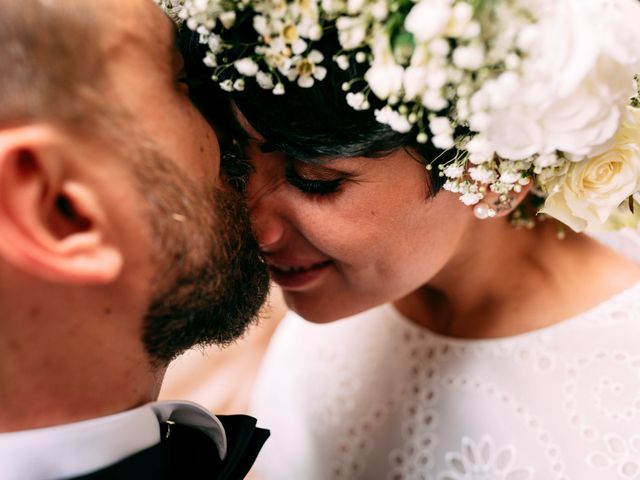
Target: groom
120,247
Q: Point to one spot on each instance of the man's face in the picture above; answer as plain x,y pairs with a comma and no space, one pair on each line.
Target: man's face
209,280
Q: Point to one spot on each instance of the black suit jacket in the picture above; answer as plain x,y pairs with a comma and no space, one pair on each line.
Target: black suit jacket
186,453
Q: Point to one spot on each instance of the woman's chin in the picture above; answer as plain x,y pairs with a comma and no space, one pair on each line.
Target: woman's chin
325,307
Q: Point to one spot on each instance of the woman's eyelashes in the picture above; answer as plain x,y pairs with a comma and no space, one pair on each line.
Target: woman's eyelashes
312,186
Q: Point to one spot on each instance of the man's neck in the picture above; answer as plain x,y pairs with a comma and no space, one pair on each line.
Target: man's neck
60,372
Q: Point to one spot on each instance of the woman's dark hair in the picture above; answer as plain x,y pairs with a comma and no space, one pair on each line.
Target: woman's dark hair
309,124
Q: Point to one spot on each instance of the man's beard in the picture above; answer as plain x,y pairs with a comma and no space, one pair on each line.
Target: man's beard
212,281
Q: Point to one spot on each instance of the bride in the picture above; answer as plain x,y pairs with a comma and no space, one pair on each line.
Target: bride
423,172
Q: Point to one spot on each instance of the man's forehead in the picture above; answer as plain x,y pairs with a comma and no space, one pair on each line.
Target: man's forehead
140,22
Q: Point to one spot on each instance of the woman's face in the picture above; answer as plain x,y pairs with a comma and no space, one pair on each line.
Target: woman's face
353,233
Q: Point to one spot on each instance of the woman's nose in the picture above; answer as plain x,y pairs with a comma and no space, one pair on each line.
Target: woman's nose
266,219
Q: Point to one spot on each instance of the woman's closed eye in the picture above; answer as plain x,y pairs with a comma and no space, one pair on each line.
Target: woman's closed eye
312,186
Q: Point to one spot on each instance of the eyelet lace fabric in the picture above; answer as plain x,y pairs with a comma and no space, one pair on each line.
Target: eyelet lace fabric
377,397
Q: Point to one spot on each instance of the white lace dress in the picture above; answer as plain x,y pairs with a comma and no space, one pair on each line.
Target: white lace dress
378,397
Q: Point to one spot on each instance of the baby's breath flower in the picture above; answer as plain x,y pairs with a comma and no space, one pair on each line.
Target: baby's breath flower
247,67
343,62
265,80
227,85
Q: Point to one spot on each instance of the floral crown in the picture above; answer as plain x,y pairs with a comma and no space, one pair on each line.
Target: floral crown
535,93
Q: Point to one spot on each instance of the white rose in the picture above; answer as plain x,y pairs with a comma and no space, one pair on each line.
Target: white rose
591,193
574,84
428,19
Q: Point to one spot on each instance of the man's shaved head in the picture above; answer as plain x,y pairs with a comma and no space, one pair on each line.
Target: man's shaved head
52,60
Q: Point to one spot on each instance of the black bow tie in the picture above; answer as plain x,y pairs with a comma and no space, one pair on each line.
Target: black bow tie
188,453
244,442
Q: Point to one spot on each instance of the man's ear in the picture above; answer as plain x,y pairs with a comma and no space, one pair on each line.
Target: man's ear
52,224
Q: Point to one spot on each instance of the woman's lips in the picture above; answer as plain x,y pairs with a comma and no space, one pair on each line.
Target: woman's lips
298,277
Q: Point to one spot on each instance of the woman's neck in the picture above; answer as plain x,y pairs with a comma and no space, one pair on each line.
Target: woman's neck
504,282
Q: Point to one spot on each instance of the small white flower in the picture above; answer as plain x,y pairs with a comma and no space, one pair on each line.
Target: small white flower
469,57
315,32
461,16
228,19
414,82
343,62
227,85
352,32
395,120
306,69
260,24
356,100
471,198
214,43
428,19
434,101
440,126
443,142
479,145
510,177
546,160
379,10
246,66
354,7
451,186
454,171
385,79
400,124
422,138
210,60
238,85
439,47
278,89
482,175
298,46
265,80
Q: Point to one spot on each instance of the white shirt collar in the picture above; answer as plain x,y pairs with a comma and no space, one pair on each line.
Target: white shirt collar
83,447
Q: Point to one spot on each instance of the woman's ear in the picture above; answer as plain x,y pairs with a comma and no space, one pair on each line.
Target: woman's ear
52,224
497,206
